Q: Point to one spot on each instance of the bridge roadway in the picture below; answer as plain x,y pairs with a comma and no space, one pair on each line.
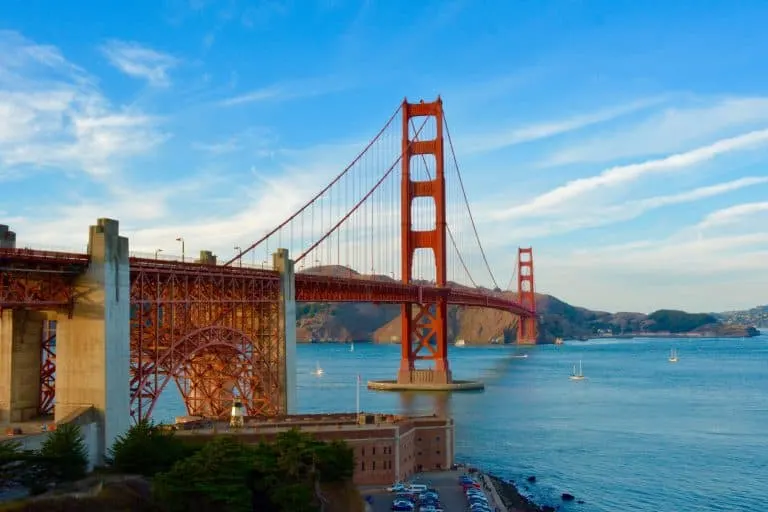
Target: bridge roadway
62,267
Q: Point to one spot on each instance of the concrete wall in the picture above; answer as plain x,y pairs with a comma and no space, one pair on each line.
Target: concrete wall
93,347
283,264
20,345
7,238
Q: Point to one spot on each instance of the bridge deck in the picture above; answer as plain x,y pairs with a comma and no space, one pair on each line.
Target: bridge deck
309,287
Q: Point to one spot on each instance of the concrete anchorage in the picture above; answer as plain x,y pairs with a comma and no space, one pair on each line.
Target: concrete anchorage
7,238
93,345
21,334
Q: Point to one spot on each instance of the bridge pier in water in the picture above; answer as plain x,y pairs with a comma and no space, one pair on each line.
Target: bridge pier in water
424,326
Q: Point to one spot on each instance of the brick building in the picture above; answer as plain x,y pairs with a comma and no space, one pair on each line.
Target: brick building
388,447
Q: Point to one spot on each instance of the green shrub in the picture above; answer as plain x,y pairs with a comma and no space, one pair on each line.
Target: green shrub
146,449
64,454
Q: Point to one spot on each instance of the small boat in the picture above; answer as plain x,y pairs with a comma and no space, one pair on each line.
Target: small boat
579,375
520,356
317,371
352,346
673,356
558,341
460,343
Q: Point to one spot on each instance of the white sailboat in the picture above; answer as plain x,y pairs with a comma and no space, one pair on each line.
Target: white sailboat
579,375
317,371
673,356
352,346
460,343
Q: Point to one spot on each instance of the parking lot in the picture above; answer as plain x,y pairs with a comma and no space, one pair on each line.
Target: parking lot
445,482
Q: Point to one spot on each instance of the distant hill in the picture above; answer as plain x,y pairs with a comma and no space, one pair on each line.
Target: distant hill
558,319
757,316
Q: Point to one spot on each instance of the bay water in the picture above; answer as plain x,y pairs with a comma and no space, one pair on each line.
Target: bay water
638,433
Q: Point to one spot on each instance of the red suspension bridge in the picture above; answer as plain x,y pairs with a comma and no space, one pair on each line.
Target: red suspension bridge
394,227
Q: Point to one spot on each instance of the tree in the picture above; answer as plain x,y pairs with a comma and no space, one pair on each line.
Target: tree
335,461
147,449
64,453
213,478
281,476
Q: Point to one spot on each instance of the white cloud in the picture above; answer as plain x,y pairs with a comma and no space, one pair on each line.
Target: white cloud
139,61
561,198
53,115
680,272
501,138
734,214
666,131
598,214
292,90
260,140
245,207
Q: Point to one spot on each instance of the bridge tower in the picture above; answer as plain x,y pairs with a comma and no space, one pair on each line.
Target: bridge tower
527,330
424,334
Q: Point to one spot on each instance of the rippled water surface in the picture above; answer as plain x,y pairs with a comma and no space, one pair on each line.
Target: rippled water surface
638,434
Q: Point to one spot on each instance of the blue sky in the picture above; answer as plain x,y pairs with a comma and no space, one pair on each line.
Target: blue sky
626,141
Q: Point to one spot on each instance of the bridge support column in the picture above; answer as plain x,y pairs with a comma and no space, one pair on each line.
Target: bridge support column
287,328
424,326
21,336
527,327
7,238
93,353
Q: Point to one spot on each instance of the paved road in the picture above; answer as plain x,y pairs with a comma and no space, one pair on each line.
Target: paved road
445,482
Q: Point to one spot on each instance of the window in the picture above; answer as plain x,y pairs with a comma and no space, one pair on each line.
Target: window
374,450
373,466
362,467
363,450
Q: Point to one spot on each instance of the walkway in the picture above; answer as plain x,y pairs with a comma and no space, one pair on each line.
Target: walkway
493,496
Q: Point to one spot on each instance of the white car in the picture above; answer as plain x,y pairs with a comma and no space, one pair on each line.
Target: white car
398,487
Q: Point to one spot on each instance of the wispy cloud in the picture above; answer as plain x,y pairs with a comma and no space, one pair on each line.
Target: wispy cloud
260,141
678,271
247,204
734,214
558,198
290,91
139,61
598,214
666,131
505,137
255,96
53,115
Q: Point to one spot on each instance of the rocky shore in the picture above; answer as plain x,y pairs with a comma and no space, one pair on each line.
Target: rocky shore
513,500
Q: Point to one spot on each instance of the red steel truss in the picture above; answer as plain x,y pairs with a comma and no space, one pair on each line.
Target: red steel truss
211,329
527,331
38,279
47,368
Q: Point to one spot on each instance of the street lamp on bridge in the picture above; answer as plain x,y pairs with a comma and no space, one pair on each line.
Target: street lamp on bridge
157,251
239,251
181,239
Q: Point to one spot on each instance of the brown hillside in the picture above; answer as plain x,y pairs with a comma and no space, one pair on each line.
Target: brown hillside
381,323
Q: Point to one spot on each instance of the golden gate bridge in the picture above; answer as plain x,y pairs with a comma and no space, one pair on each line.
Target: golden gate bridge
395,226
